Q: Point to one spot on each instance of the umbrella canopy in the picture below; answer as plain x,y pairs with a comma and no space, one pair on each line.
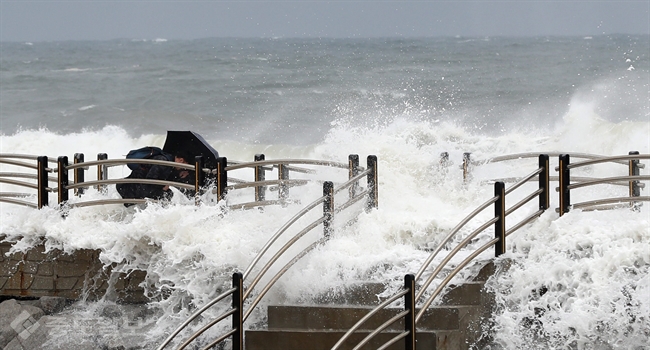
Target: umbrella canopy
193,143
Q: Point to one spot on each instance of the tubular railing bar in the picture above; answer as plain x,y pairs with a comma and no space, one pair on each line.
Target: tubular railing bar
275,162
368,316
524,201
16,194
350,202
17,163
280,273
281,231
236,180
381,328
351,181
524,179
606,207
116,162
451,275
524,222
130,181
605,160
21,175
206,327
251,205
611,200
576,179
451,234
220,339
279,253
289,182
196,314
394,340
533,154
609,179
19,202
19,183
451,254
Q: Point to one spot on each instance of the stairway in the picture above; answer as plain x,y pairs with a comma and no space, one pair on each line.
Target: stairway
455,324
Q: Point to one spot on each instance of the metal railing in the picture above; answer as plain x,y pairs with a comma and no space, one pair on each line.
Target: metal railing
633,180
325,219
498,242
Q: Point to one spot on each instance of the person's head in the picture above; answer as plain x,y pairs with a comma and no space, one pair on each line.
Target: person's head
183,157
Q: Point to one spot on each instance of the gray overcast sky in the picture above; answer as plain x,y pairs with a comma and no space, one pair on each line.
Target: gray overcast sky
48,20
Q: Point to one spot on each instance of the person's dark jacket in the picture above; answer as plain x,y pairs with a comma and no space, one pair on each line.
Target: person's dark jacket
152,172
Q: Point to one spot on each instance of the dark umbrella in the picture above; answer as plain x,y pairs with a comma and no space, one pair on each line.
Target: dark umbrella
192,143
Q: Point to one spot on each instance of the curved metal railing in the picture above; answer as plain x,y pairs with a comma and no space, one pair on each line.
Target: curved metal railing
498,242
632,180
329,210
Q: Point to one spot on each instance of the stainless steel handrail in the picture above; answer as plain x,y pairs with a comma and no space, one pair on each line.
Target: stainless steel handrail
18,202
611,200
287,161
284,269
115,162
451,275
17,163
605,160
279,253
536,154
280,232
609,179
368,316
19,183
381,328
130,181
524,201
196,314
453,232
206,327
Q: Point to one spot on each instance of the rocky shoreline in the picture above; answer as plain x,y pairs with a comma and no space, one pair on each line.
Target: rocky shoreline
58,323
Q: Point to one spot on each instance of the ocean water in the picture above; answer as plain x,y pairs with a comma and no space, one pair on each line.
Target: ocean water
403,100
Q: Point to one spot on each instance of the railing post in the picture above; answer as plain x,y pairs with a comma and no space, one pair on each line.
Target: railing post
373,192
444,159
635,190
260,175
62,163
409,319
328,207
283,188
544,197
238,316
466,165
500,214
222,178
565,180
199,179
41,180
102,173
79,174
353,170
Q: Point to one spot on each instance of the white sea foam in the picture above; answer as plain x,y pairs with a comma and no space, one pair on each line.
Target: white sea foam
594,264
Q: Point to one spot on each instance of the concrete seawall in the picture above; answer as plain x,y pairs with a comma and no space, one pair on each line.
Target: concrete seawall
79,275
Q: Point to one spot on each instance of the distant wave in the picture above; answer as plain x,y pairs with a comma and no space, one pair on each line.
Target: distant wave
85,108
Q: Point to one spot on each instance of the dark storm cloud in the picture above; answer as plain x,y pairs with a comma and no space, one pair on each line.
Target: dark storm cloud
26,20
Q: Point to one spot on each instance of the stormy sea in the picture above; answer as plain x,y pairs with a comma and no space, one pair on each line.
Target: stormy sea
405,101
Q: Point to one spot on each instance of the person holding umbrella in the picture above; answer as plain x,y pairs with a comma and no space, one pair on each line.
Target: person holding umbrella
155,172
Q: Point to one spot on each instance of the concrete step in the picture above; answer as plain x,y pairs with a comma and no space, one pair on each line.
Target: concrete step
344,317
364,293
324,340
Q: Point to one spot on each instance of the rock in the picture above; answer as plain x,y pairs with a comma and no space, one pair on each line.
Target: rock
17,321
52,305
